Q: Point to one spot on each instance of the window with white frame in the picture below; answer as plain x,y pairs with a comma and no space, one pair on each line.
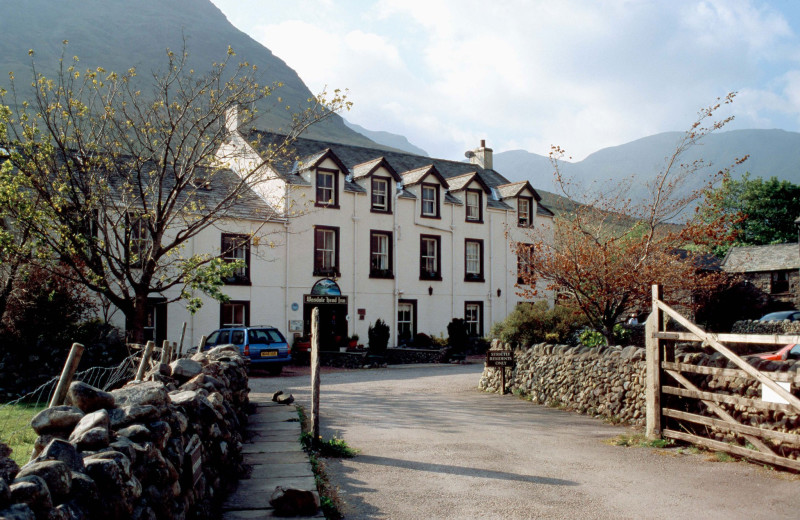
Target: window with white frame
327,188
429,257
139,239
380,195
406,318
473,260
234,314
326,251
237,248
524,263
474,209
473,318
524,205
430,200
380,245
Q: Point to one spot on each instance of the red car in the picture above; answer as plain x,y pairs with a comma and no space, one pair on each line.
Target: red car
791,351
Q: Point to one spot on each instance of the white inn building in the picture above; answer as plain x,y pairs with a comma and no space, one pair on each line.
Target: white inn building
366,234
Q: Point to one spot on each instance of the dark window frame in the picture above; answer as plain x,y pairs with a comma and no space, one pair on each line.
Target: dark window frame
529,222
222,306
467,218
474,277
479,304
436,201
424,274
779,282
387,273
388,181
318,269
413,331
139,238
335,193
236,279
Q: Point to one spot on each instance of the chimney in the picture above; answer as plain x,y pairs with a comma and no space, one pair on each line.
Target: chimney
482,156
232,119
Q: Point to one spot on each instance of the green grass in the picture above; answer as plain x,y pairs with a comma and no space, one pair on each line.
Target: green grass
16,431
638,440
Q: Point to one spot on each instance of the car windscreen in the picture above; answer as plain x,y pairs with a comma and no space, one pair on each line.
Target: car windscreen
265,336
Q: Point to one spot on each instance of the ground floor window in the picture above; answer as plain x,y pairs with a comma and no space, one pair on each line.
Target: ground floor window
473,317
155,325
406,321
234,314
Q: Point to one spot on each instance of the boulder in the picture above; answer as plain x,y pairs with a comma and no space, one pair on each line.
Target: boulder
55,473
134,413
88,398
33,491
56,419
92,431
60,449
18,512
184,369
142,393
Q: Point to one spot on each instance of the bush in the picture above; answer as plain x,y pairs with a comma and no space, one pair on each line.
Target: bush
378,336
537,323
457,335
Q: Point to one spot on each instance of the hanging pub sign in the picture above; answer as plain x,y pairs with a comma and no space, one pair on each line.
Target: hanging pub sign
325,292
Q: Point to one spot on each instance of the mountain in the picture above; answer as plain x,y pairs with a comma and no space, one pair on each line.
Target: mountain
119,34
395,141
772,153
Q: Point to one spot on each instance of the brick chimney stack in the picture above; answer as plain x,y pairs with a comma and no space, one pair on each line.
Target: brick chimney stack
481,156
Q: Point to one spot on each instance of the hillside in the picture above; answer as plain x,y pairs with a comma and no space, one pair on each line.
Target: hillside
120,34
772,153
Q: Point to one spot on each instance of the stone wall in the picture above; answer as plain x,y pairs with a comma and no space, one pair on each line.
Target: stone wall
605,381
766,327
408,356
164,448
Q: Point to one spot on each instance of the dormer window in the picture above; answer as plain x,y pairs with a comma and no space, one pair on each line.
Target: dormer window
430,200
524,205
380,195
327,188
474,206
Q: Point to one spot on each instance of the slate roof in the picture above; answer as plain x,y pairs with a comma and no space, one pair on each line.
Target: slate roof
353,156
753,259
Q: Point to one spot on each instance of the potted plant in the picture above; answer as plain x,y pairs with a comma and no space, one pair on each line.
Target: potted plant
353,341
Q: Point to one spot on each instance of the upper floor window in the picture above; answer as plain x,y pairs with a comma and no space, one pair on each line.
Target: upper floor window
430,200
524,212
237,247
140,242
326,251
473,260
430,259
474,206
380,195
380,254
524,263
327,188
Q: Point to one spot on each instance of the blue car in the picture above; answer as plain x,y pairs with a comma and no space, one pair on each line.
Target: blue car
263,345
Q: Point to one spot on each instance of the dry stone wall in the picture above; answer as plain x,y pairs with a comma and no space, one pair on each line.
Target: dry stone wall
167,447
605,381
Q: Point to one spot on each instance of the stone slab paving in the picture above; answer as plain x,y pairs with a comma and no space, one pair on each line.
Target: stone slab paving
275,457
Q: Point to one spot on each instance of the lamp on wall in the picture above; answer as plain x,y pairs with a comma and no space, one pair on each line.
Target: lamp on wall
499,292
430,290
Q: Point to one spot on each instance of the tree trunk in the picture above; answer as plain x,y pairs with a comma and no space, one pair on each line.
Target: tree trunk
137,319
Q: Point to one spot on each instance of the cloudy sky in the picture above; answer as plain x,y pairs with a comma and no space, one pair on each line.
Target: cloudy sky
528,74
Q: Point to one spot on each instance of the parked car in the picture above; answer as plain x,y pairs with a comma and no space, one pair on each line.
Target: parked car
791,351
781,315
263,345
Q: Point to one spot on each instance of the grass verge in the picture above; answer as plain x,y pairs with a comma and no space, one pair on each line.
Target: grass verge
638,440
331,448
16,431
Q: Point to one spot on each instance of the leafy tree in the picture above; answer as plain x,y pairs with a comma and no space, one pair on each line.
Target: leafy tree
535,323
608,251
378,336
124,180
760,211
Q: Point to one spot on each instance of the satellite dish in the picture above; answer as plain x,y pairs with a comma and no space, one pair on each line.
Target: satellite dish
469,154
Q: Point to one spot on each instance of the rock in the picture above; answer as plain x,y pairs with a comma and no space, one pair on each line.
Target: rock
18,512
91,432
142,393
89,398
33,491
55,473
56,419
184,369
294,502
59,449
160,431
84,491
127,415
5,494
286,399
8,467
136,432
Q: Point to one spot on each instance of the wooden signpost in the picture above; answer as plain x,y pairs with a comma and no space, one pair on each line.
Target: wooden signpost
315,380
500,359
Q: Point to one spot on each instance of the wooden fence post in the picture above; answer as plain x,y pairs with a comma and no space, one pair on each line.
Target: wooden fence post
654,324
148,351
315,335
202,346
183,335
165,351
68,371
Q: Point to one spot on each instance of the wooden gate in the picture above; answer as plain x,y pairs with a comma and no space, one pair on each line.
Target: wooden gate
674,411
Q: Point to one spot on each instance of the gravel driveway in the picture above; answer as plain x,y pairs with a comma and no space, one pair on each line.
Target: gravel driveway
432,446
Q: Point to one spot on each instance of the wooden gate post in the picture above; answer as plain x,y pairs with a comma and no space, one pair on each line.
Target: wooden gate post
148,351
654,324
64,381
315,335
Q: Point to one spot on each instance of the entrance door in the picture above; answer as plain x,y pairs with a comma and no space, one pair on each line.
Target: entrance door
332,324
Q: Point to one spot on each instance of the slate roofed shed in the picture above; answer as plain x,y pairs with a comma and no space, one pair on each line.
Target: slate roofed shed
752,259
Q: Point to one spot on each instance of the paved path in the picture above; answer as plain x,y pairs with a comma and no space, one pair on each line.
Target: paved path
276,458
434,447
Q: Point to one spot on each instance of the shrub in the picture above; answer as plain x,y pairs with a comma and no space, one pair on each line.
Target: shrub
457,335
537,323
378,336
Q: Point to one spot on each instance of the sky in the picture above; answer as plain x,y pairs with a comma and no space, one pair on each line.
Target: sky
579,74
